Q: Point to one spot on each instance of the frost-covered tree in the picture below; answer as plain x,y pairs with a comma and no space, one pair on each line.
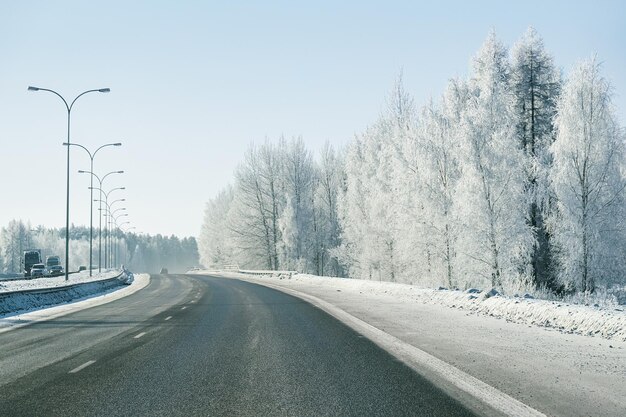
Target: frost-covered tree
588,181
373,235
328,182
15,238
215,240
536,85
296,220
496,240
258,203
436,156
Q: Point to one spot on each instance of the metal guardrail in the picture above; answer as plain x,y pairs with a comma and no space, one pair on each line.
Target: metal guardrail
13,301
262,272
14,277
62,288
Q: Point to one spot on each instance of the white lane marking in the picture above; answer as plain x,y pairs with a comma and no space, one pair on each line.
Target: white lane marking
421,361
83,366
139,335
167,318
184,308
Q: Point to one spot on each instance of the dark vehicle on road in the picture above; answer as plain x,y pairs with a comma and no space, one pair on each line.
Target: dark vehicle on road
52,261
55,270
163,271
31,257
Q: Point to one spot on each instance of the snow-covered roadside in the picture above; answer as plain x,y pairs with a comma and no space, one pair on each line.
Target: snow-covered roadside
26,317
554,372
606,322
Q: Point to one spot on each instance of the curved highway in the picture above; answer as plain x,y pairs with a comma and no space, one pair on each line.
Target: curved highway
191,345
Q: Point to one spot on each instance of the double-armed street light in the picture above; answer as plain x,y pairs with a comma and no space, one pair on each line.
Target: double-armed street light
68,107
100,181
108,207
116,257
91,157
113,219
123,238
124,233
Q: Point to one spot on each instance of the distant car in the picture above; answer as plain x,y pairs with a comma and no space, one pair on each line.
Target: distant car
55,270
39,270
163,271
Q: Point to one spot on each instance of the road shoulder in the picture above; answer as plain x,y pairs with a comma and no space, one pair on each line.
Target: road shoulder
556,373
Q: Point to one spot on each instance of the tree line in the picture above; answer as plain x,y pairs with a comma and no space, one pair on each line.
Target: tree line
513,178
138,252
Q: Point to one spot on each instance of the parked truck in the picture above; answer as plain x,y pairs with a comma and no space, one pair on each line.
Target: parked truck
31,257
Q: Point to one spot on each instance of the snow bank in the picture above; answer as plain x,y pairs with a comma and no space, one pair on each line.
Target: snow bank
22,295
609,323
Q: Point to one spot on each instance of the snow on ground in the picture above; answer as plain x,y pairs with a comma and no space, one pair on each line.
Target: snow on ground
607,322
531,359
50,282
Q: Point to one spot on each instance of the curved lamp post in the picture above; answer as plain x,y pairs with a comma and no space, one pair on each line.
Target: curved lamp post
114,222
106,202
67,199
125,232
100,181
91,157
117,252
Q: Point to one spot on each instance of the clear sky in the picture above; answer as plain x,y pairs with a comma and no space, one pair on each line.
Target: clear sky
194,82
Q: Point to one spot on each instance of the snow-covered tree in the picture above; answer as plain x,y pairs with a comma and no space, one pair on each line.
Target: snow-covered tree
328,181
437,162
296,220
259,201
588,181
536,85
215,240
496,240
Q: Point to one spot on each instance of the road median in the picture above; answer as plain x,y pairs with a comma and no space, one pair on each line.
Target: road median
24,299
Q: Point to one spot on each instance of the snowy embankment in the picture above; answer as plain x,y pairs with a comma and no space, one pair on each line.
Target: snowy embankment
606,322
28,294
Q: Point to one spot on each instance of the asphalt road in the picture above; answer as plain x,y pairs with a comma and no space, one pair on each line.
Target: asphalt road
206,346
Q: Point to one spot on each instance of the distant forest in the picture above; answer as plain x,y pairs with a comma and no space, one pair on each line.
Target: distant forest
138,252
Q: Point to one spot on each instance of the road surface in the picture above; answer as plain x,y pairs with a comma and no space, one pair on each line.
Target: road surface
202,345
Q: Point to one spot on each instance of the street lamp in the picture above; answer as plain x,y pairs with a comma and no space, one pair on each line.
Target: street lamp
114,222
106,202
116,256
67,199
124,233
91,157
100,181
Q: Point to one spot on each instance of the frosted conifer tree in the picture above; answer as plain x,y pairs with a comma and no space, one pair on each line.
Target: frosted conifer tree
536,84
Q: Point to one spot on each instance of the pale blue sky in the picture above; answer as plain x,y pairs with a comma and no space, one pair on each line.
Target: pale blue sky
193,83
